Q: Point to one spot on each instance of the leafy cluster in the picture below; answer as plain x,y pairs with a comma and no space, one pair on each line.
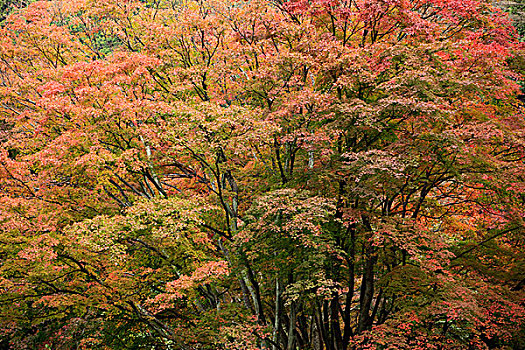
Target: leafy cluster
210,174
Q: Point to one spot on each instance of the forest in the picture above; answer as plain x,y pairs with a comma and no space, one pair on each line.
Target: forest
262,174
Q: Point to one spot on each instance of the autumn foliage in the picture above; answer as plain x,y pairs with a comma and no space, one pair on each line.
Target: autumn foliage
264,174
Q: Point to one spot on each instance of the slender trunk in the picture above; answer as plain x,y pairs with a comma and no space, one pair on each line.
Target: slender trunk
334,323
347,332
291,328
376,306
319,323
367,291
326,325
256,294
277,320
279,161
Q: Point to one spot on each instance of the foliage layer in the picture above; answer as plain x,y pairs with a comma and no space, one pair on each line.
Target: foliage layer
261,174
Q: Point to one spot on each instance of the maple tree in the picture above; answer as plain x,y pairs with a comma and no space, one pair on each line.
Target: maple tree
267,174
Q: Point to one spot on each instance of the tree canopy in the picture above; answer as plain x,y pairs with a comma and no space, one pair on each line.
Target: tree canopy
263,174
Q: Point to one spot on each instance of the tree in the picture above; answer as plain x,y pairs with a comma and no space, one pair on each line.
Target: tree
263,174
515,10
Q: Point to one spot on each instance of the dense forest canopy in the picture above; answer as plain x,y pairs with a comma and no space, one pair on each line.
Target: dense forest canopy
263,174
